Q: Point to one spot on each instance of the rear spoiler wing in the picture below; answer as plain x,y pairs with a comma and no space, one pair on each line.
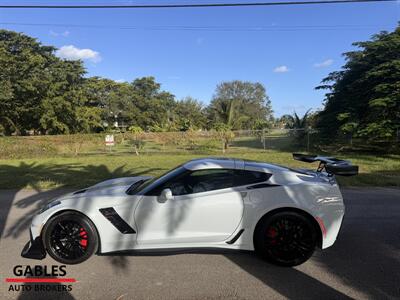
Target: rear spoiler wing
331,165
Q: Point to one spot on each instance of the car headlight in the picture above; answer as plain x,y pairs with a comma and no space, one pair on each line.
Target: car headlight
49,205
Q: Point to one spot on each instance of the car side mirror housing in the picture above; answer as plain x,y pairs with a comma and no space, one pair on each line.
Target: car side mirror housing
166,194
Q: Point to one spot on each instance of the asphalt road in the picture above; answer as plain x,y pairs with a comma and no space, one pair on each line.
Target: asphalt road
364,262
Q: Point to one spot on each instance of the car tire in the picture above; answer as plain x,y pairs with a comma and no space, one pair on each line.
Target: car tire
70,238
285,238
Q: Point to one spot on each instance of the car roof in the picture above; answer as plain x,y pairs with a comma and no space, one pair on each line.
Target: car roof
230,163
263,166
212,163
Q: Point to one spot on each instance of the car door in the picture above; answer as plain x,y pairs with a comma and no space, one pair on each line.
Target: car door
205,208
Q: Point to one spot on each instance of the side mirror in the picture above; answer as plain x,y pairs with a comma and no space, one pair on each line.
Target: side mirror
166,194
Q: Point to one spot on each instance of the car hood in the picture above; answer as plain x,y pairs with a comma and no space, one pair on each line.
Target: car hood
111,187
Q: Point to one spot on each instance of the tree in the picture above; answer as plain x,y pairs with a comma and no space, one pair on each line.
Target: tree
88,119
299,125
295,122
114,99
155,106
140,103
364,96
189,114
224,134
40,92
63,100
137,142
285,121
261,127
239,104
24,79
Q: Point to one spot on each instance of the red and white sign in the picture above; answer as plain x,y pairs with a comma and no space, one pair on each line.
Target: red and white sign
109,140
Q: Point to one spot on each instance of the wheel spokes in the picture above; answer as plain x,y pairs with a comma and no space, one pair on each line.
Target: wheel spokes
289,239
69,239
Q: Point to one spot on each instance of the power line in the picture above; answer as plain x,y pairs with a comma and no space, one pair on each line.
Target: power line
198,5
202,28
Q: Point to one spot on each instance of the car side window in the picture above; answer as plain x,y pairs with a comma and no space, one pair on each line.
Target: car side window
171,180
210,180
246,177
191,182
197,182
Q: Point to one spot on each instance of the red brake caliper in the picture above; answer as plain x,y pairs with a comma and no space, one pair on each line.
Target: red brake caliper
83,234
272,233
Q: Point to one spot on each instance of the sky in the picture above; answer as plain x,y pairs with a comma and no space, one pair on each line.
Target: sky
289,49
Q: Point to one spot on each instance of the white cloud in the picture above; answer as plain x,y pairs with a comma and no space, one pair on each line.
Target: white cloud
55,33
72,53
324,64
281,69
120,80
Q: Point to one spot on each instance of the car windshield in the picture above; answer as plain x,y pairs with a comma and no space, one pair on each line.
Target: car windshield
140,186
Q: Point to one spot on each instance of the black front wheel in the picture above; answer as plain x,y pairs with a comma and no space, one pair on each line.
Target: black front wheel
70,238
285,238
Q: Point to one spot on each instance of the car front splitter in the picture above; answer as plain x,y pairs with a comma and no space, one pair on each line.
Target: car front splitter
34,249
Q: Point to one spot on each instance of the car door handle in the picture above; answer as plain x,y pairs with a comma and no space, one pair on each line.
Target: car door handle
161,200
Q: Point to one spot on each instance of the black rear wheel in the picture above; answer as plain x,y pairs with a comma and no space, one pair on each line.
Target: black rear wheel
286,238
70,238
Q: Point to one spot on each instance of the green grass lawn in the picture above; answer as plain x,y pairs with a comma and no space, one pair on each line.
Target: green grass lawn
84,170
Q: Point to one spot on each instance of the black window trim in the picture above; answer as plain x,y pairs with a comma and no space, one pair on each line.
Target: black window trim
267,177
186,172
148,191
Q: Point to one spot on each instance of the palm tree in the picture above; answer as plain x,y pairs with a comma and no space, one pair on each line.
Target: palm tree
295,122
299,127
228,112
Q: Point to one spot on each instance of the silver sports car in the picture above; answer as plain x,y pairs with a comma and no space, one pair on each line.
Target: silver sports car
281,213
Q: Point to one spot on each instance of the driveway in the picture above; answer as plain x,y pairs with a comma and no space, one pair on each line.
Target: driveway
364,262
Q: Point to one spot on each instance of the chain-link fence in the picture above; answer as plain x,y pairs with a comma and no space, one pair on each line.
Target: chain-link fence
197,142
310,140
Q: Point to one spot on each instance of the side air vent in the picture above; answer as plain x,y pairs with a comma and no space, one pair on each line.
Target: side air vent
116,220
235,238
